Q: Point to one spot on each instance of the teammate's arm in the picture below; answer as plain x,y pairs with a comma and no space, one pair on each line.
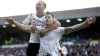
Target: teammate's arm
54,26
23,27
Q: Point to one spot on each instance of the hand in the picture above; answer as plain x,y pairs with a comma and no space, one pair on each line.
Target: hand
9,20
90,20
42,33
33,28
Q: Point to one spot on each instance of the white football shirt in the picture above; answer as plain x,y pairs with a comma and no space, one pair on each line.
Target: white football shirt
48,44
36,21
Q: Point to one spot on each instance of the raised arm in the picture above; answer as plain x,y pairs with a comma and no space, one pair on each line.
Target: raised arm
23,27
80,26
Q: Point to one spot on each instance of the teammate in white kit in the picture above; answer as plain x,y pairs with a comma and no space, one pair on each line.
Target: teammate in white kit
34,44
49,40
48,45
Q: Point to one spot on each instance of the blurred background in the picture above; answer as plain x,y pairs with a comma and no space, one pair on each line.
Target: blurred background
85,42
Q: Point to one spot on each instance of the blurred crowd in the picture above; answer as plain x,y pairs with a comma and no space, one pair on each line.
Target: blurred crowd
83,50
72,50
12,51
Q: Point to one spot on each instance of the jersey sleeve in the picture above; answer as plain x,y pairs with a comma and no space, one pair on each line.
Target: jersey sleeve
61,30
27,20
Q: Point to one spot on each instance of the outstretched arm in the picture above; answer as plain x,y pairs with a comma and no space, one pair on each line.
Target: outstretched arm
75,27
80,26
23,27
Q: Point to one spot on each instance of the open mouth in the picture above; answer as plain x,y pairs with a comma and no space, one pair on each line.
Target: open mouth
37,8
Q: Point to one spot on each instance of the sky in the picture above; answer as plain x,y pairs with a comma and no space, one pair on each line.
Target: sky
22,7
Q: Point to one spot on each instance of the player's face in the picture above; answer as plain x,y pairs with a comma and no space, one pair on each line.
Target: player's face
40,6
49,19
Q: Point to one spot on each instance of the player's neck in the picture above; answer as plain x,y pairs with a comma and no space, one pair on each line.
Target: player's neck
49,25
40,14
